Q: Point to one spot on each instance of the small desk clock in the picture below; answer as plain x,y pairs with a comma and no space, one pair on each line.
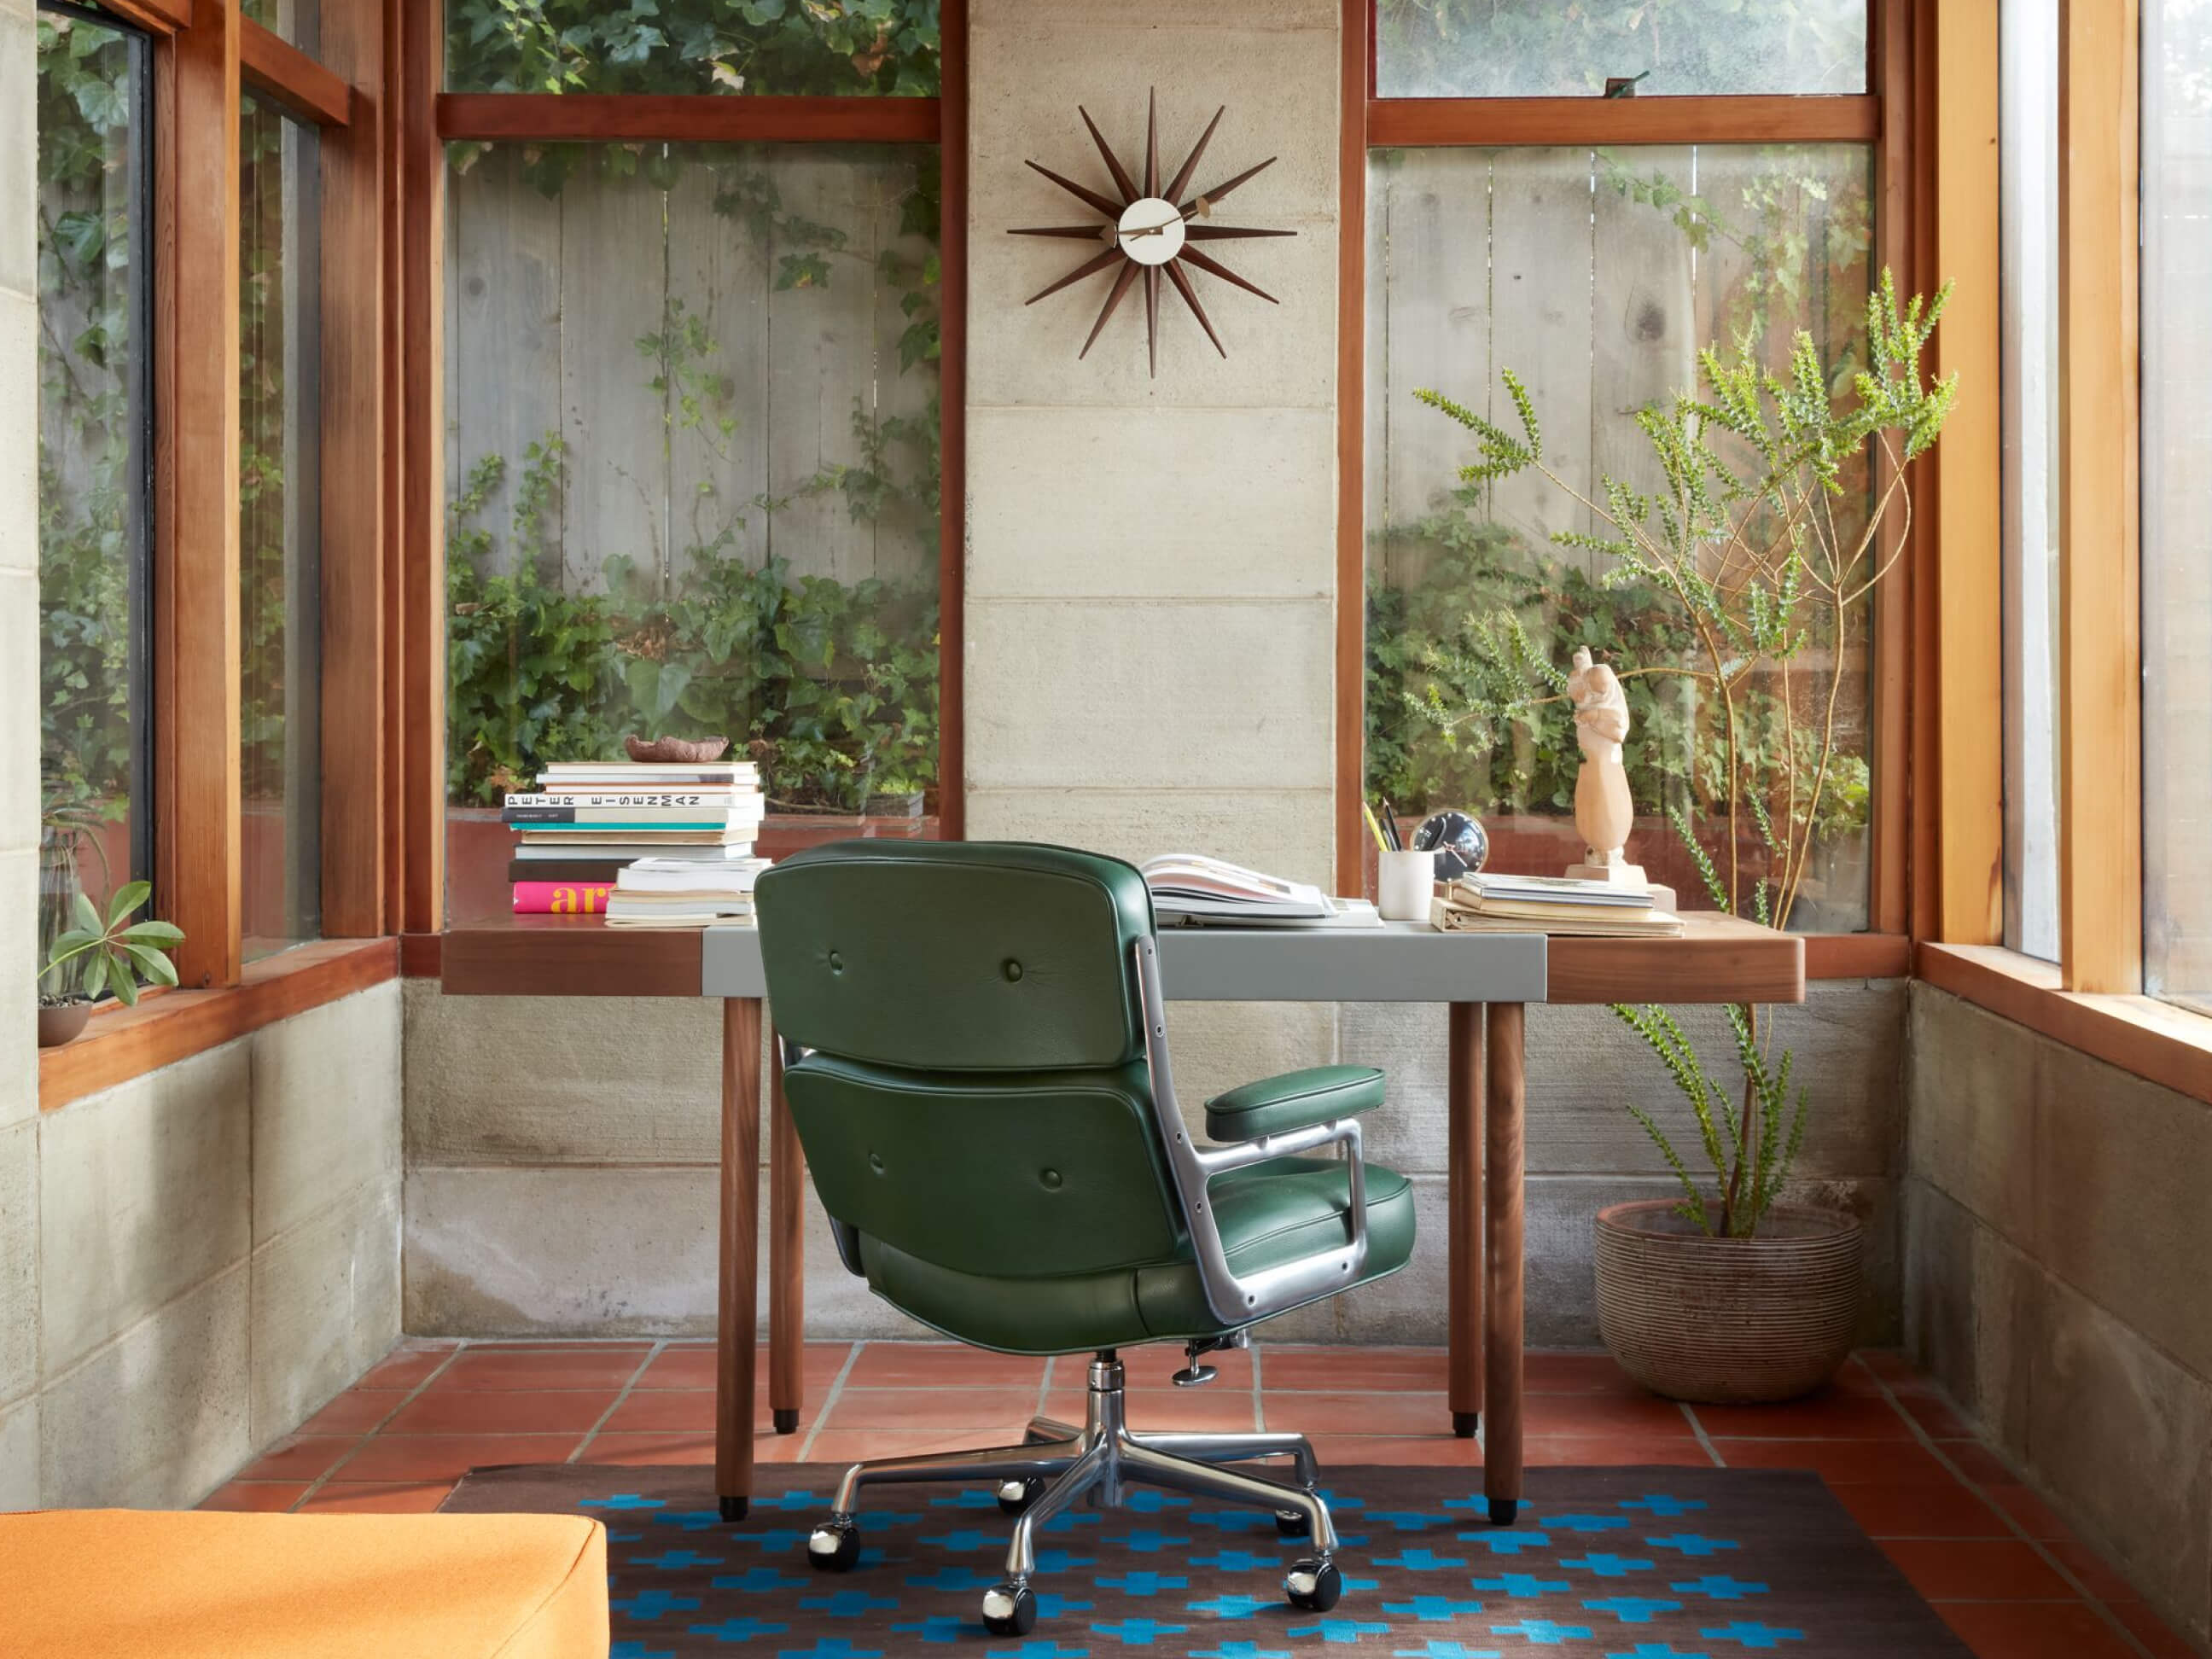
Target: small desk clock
1150,230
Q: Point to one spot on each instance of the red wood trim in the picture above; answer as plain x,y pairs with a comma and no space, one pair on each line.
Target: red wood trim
1751,120
1721,959
421,956
695,117
952,416
568,956
121,1043
279,73
156,16
1351,663
1857,956
2153,1039
1902,749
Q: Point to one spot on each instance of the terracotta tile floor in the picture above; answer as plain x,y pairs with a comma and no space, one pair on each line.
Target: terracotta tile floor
1999,1566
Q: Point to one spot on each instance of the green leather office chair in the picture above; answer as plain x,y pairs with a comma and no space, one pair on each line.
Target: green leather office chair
976,1061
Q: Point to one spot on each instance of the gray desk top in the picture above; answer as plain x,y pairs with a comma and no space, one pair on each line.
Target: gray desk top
1399,962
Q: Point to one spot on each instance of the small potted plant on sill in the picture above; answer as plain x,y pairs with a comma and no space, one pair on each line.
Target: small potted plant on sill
97,957
1733,1293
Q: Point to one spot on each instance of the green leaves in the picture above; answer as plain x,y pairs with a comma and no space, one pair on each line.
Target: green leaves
110,956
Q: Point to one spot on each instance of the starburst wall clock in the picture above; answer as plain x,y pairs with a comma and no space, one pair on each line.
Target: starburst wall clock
1150,230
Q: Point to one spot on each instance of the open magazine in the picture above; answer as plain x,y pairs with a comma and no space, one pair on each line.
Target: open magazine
1190,888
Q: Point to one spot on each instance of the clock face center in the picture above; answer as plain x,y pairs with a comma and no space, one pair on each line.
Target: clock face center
1150,230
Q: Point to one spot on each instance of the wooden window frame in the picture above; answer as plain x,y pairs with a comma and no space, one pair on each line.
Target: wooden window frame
1885,117
207,58
431,118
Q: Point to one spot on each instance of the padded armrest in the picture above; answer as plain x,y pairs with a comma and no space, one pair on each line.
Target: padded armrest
1295,1100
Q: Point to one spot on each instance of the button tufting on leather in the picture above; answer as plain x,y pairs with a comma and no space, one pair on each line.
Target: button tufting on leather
1012,969
875,1161
836,963
1049,1180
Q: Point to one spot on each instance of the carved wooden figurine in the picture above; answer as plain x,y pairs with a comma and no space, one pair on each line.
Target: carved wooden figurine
1605,811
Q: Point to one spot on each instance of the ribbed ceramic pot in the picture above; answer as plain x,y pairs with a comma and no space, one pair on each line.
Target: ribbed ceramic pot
1728,1321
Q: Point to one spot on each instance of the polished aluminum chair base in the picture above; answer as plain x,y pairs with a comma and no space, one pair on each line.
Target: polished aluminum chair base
1058,1464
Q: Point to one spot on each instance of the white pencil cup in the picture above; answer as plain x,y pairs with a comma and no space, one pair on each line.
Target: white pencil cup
1404,884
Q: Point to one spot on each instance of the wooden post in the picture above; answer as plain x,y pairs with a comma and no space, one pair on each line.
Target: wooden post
787,1252
738,1305
1463,1185
1503,1106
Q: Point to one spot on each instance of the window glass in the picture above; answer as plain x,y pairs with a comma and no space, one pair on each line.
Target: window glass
830,48
280,535
1543,49
2177,509
2028,265
1596,276
93,244
693,472
296,21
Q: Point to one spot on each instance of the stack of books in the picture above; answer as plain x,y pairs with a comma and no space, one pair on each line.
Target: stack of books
684,893
1550,904
587,820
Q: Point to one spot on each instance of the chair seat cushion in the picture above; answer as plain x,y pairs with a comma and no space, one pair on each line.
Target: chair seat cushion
1268,1215
135,1584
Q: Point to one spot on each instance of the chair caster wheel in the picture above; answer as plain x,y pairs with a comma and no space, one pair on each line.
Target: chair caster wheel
1009,1609
1464,1424
733,1509
834,1546
1292,1523
1313,1586
1502,1510
1015,1496
786,1419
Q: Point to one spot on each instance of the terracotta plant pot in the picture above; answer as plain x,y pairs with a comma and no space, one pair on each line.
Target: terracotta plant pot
1728,1321
58,1025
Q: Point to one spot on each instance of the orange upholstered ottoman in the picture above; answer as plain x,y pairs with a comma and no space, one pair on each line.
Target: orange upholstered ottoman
119,1583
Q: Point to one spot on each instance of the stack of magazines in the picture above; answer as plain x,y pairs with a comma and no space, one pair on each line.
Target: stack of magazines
1191,889
1550,904
684,893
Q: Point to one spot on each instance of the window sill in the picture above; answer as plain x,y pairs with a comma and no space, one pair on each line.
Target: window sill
121,1043
2157,1040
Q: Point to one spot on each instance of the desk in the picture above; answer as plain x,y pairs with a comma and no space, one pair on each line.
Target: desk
1485,980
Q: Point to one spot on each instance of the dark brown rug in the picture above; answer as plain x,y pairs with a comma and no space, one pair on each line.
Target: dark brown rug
1626,1563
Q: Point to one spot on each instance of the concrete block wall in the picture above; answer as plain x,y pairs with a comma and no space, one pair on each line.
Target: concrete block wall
2059,1283
194,1261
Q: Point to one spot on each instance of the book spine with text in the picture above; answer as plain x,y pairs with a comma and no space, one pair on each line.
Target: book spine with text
561,898
658,800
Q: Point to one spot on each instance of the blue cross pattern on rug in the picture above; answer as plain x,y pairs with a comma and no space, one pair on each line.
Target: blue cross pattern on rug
1619,1572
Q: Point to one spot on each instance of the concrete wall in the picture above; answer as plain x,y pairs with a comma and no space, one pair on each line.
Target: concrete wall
2060,1283
1150,610
192,1262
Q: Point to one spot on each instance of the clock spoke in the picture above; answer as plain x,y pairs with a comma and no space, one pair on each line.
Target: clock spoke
1214,195
1122,182
1206,263
1190,162
1152,319
1073,232
1190,299
1226,233
1151,141
1114,297
1089,197
1077,274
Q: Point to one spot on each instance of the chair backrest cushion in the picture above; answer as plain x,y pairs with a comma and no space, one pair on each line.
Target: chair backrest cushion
956,956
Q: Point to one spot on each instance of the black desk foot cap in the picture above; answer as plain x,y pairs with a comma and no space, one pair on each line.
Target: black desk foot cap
733,1509
786,1419
1502,1511
1463,1423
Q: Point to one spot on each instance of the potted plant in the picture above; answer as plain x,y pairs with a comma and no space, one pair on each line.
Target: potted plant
97,957
1731,1293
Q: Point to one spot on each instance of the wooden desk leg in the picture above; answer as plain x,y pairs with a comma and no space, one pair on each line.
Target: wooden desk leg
787,1252
1502,1107
1463,1186
737,1308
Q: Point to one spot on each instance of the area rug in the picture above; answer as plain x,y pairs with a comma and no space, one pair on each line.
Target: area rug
1623,1563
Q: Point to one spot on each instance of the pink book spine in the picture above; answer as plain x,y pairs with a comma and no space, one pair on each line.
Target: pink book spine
560,898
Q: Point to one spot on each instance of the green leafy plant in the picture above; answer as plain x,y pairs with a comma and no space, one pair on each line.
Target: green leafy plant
110,955
1748,538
